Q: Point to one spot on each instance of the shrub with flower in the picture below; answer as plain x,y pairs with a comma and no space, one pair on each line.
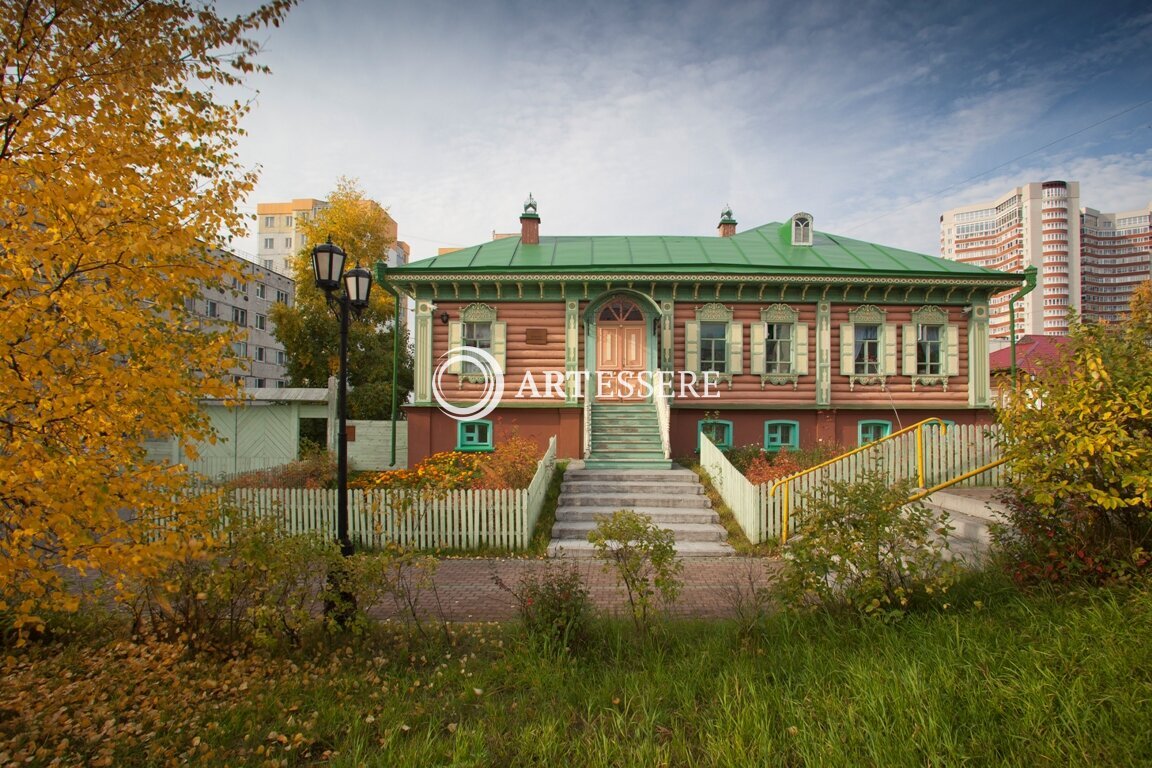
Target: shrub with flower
315,469
444,471
768,468
761,466
511,465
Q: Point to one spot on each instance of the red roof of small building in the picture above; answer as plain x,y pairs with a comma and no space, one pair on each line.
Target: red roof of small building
1034,352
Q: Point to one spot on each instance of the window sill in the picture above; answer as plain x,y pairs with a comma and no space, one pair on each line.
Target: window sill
779,379
867,381
930,381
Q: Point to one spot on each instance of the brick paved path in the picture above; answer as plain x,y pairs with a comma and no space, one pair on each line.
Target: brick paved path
467,590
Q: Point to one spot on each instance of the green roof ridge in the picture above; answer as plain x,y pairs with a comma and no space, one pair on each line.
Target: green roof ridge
766,249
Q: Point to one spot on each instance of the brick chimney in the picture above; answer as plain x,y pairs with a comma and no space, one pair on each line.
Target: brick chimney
727,226
529,223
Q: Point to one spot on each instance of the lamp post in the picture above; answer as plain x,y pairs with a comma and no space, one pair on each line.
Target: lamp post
328,266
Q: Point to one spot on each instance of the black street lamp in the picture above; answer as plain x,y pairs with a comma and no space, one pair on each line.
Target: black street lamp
328,266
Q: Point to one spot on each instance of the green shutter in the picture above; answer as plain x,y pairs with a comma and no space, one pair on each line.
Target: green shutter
500,344
909,349
455,339
847,364
952,353
800,330
735,348
756,336
889,351
691,345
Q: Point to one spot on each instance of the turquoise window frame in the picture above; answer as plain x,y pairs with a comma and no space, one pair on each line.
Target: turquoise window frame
724,444
870,424
774,445
468,439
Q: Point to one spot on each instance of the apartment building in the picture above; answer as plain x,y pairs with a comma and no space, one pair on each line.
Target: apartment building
1115,257
1084,259
246,305
277,238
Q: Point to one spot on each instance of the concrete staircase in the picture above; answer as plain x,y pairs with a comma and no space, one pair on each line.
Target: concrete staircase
625,436
971,511
673,498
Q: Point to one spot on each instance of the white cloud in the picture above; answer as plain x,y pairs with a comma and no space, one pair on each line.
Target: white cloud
648,118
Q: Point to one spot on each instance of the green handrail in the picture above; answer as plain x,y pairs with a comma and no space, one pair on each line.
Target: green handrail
786,506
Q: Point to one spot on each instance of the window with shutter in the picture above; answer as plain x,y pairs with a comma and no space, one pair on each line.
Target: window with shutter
714,344
867,347
479,329
931,348
779,346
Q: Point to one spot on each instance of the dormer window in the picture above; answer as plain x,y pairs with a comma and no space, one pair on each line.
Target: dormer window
802,229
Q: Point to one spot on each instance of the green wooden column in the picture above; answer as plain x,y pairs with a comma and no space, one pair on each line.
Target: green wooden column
823,353
667,336
979,375
571,348
422,365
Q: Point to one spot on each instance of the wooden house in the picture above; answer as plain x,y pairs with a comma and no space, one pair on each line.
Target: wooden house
628,348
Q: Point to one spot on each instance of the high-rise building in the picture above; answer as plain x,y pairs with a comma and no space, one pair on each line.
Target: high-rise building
277,239
1115,257
1084,259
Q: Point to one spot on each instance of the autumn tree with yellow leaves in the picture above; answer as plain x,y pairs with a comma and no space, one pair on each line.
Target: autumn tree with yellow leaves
1078,437
118,169
309,329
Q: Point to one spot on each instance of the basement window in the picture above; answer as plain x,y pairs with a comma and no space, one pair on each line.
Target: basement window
474,435
719,431
871,431
781,434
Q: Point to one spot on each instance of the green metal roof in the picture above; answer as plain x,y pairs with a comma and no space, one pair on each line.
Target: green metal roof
763,250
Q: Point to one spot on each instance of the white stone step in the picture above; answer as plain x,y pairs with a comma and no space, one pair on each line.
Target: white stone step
622,499
659,515
574,529
583,549
642,475
630,487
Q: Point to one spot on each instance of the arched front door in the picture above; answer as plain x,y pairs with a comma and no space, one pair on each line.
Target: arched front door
621,335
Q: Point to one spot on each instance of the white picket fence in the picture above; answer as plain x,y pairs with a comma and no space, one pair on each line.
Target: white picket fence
947,454
464,519
742,497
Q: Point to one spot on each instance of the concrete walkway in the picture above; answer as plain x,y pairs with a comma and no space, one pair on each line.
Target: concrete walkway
467,590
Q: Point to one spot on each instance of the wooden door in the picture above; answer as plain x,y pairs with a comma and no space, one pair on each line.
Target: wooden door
621,351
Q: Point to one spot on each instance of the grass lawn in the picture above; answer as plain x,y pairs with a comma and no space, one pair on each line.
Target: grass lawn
1013,680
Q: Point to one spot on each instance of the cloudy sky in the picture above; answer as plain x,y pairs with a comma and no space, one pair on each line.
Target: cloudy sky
649,117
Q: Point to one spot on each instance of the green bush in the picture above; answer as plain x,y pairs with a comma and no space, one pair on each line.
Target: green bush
644,559
740,457
1078,438
316,468
862,547
553,605
1067,541
400,575
256,586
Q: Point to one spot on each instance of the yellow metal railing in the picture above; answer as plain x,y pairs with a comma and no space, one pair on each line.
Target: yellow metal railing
954,481
786,499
